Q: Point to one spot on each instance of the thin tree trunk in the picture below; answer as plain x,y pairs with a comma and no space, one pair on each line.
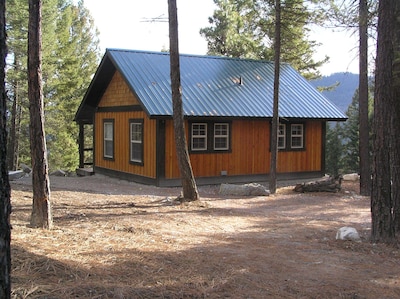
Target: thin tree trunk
275,117
365,175
41,210
395,162
5,192
12,152
381,201
190,192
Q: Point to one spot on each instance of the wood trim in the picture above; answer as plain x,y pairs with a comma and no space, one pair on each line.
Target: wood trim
127,108
125,176
323,147
160,149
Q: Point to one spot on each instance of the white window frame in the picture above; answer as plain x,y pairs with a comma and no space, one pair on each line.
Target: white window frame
221,136
282,135
297,135
198,136
132,124
108,139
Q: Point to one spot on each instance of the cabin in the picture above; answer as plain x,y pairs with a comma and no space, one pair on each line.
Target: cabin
227,105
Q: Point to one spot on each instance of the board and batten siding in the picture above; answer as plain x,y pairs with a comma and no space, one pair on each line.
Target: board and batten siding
118,94
250,152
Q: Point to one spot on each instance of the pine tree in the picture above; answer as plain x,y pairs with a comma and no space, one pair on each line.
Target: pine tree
189,187
5,192
245,28
70,58
334,150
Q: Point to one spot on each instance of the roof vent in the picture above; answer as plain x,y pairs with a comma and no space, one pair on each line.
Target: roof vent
238,80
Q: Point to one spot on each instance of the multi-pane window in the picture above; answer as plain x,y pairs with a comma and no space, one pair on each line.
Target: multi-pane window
136,141
209,136
282,136
221,136
199,137
296,134
108,127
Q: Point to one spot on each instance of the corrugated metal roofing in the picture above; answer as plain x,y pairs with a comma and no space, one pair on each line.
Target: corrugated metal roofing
220,86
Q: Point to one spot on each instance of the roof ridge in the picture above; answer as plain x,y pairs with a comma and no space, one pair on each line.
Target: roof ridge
190,55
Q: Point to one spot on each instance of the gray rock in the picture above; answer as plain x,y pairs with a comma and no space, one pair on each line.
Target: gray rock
252,189
58,172
25,168
15,175
348,233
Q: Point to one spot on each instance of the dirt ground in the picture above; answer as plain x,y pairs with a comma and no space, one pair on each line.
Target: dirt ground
116,239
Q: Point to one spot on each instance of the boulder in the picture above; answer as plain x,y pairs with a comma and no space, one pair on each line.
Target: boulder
15,175
25,168
58,172
252,189
348,233
353,177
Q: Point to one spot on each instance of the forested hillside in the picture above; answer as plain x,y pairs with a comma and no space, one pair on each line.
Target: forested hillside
342,94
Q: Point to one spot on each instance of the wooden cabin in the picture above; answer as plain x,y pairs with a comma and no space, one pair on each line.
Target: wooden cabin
227,105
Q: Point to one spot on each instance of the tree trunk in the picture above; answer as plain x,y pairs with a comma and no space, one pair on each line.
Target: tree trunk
189,186
395,108
365,175
381,201
12,153
41,210
5,192
275,117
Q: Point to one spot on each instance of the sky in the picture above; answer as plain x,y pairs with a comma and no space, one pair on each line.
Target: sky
129,24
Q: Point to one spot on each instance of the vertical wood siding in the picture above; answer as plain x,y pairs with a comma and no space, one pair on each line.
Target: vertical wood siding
118,94
250,152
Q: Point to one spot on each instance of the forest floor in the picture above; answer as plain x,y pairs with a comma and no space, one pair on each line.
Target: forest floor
117,239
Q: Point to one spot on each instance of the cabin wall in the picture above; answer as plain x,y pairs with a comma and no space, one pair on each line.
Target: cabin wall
117,95
250,152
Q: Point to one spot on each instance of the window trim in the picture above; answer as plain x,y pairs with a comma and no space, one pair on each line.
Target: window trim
288,136
210,138
282,136
301,136
221,136
141,122
112,123
204,137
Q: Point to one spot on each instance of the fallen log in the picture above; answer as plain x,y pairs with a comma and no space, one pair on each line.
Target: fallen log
330,184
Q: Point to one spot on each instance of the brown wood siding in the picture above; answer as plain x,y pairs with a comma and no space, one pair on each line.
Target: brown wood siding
250,154
121,143
117,93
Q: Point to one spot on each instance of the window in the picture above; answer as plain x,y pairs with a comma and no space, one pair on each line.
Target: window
296,133
221,136
108,126
291,136
282,136
209,136
136,141
199,137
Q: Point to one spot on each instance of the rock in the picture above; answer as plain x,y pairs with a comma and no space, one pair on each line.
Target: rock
354,177
252,189
25,168
15,175
58,172
348,233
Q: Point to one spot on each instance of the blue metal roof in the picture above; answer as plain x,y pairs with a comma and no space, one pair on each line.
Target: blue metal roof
219,86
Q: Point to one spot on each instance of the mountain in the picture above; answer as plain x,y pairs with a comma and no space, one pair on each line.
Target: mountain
342,94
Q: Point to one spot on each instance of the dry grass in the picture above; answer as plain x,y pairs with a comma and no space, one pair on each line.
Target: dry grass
115,239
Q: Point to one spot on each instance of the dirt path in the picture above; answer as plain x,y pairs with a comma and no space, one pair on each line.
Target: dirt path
115,239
